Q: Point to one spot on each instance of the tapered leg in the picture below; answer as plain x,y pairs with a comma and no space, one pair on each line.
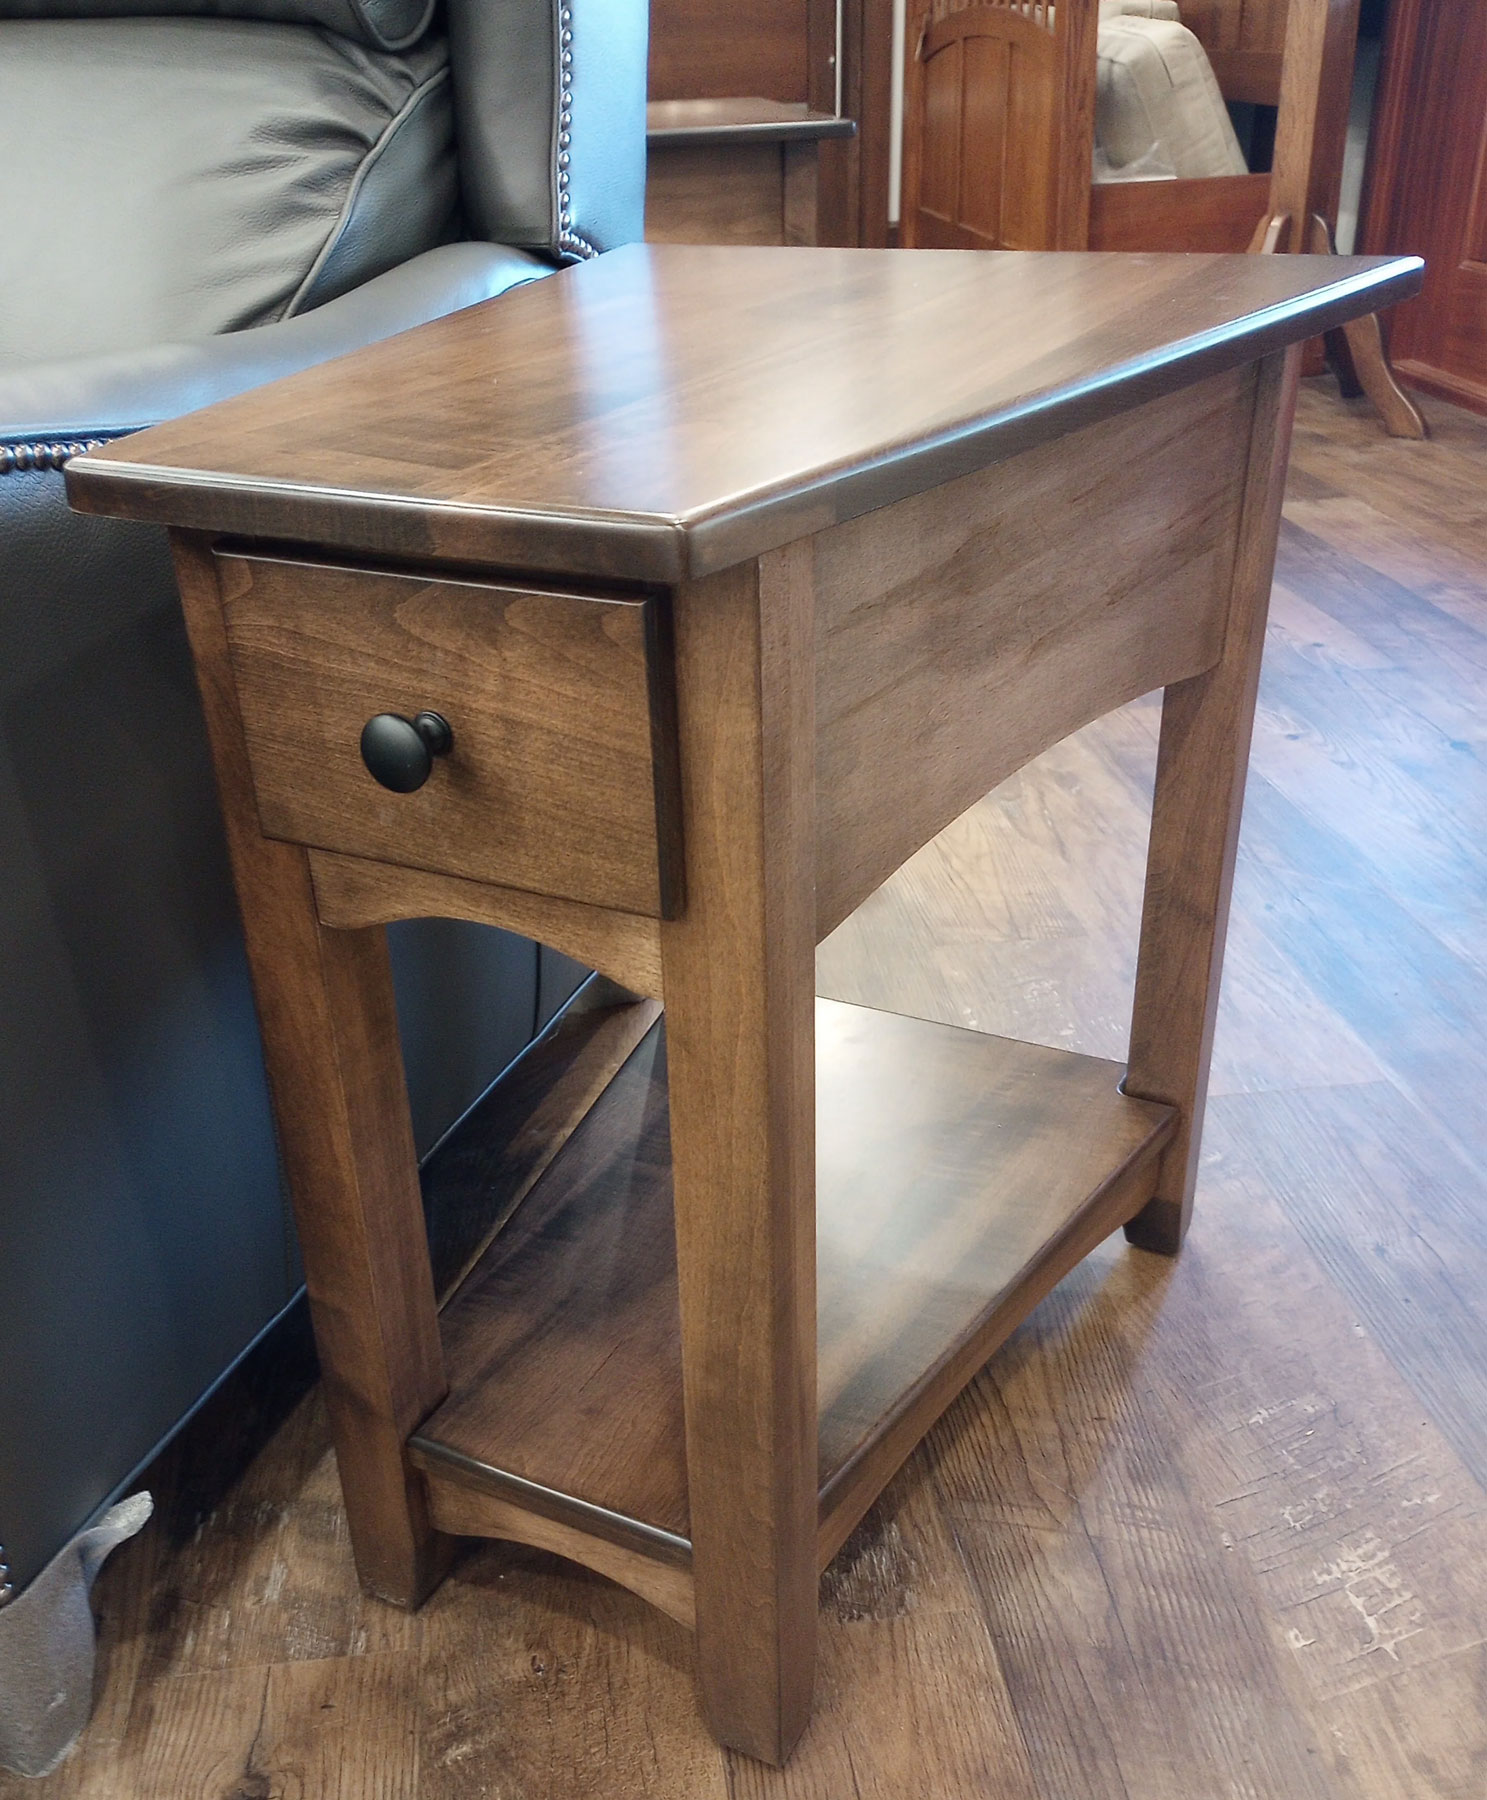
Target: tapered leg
326,1009
1201,762
739,973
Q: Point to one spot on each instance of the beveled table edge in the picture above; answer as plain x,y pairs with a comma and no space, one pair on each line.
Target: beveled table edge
650,547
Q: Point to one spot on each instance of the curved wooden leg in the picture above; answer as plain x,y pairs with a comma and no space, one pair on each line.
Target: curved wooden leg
1268,234
1402,418
1370,364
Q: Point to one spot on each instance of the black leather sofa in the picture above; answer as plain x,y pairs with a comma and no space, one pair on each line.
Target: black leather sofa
197,196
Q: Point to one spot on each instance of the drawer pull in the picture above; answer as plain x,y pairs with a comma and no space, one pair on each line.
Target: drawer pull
400,752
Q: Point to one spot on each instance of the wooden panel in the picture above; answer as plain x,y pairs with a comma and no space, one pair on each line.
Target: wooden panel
1016,149
715,194
1029,152
574,423
966,628
983,134
552,782
1230,27
1427,189
1248,75
703,49
943,1212
466,1509
350,892
943,84
1219,213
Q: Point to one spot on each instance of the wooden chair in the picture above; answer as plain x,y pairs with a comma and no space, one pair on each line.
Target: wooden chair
1317,84
999,145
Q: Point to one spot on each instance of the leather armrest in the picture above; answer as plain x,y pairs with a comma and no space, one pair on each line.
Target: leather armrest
109,395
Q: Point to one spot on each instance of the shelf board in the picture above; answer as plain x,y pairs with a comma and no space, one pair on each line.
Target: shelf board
958,1177
741,120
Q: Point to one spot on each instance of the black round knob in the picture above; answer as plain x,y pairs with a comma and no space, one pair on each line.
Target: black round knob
400,752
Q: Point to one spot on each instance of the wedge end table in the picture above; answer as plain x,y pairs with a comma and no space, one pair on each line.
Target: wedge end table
660,610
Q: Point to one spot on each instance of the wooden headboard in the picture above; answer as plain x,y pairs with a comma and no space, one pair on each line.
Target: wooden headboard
999,115
1244,40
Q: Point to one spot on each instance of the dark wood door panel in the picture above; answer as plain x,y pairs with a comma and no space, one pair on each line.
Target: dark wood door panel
1427,190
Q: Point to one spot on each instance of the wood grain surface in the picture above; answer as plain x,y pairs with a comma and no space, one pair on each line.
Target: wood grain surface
350,892
739,119
739,973
328,1016
961,632
666,411
561,779
1422,188
957,1175
1207,214
1202,1529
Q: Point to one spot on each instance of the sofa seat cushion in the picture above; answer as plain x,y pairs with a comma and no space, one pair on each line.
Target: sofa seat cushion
174,178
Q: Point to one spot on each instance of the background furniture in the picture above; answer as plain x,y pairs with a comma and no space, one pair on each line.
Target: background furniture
763,63
999,128
998,152
300,167
739,171
1427,191
673,652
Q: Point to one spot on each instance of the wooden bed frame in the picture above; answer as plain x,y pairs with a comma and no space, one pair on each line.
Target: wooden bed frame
999,128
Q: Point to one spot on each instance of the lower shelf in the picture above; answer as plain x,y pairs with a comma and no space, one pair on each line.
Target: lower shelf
958,1177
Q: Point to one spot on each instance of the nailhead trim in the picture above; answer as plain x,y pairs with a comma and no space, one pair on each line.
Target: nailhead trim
568,239
19,459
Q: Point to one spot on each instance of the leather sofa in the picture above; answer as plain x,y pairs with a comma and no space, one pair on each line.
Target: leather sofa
200,195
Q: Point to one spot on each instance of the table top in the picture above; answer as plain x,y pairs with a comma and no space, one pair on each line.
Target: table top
743,119
666,411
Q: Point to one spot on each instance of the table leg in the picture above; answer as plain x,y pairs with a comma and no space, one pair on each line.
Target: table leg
1201,763
738,969
329,1023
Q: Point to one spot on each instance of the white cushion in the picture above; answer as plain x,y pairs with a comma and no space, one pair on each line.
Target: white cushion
1158,109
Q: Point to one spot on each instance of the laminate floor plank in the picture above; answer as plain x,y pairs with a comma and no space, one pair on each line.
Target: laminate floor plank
1137,1651
1211,1529
902,1637
1395,1215
538,1679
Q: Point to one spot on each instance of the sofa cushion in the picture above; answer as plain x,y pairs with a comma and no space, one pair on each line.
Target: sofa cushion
382,24
176,178
1158,109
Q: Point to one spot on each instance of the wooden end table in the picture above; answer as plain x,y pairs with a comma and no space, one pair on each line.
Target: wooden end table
729,577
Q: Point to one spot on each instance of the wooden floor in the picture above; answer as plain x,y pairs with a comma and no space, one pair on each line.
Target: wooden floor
1211,1530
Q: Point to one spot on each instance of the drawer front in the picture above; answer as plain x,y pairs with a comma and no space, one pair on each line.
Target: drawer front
561,776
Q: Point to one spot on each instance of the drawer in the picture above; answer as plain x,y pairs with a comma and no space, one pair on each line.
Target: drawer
561,776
